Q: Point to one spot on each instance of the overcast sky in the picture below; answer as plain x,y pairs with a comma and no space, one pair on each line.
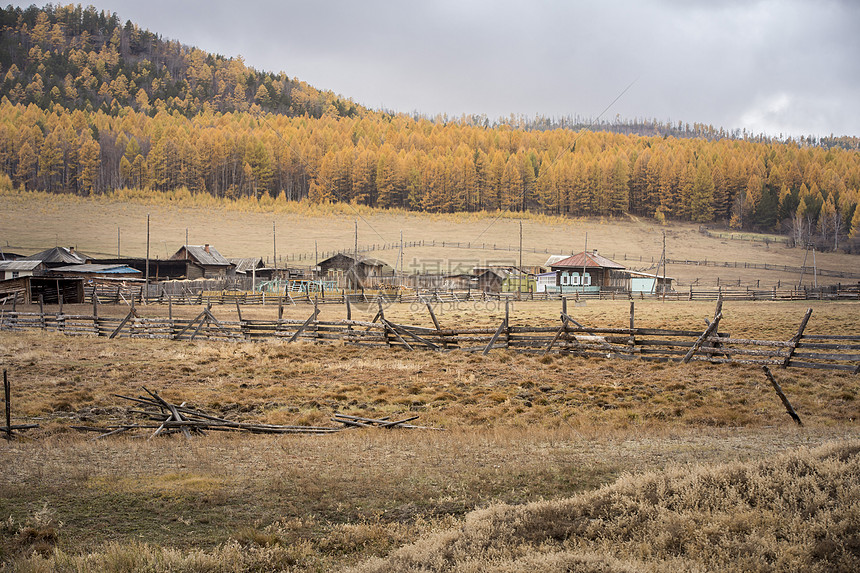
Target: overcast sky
789,67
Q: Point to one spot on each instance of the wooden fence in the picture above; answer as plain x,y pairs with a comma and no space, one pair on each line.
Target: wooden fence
820,351
125,295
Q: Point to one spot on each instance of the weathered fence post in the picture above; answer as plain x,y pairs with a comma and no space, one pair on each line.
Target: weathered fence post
7,392
782,397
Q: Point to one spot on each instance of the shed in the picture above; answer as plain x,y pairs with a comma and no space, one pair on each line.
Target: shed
544,280
95,270
640,282
588,271
159,269
490,279
364,273
15,269
28,289
213,263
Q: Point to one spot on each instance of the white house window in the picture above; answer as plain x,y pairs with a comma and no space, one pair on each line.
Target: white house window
575,280
586,280
14,274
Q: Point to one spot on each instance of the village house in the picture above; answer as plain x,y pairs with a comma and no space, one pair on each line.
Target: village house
21,268
366,273
59,257
587,271
212,263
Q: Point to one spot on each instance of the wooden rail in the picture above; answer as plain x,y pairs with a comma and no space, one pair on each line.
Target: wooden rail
818,351
126,295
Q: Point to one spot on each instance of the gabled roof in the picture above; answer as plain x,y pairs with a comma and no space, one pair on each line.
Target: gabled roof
21,265
203,254
246,264
58,255
587,260
554,259
361,260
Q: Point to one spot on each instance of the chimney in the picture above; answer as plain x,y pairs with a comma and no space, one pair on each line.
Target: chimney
206,247
72,250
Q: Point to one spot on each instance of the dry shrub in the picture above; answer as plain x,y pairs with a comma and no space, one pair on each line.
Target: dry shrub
37,535
794,512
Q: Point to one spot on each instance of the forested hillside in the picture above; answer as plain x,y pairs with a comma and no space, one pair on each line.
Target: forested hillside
90,105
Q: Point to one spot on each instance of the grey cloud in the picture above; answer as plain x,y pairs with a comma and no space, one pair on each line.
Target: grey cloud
789,67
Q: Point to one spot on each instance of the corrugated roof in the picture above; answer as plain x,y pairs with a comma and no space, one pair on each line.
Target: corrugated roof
97,268
204,257
22,265
246,264
587,260
649,275
554,259
58,255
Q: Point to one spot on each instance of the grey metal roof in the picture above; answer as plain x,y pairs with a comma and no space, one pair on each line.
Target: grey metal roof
22,265
554,259
58,255
204,257
97,268
246,264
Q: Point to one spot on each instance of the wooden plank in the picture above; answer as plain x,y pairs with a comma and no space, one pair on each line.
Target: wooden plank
781,394
412,335
501,328
711,328
128,317
796,338
393,330
305,325
553,341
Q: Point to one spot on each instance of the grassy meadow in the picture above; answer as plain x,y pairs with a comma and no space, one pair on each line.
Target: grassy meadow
550,463
584,454
244,228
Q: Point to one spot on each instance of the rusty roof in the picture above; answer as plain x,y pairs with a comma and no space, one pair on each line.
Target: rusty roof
587,260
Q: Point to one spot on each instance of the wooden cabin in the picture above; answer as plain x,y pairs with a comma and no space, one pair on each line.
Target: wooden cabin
214,265
588,271
352,274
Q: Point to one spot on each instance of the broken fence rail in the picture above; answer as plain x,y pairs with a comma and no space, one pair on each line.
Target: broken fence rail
816,351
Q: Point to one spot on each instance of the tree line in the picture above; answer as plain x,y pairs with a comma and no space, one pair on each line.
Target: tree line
89,106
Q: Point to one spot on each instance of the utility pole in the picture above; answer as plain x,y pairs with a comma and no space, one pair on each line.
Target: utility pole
117,242
584,261
275,250
521,257
663,258
401,257
814,268
355,260
146,283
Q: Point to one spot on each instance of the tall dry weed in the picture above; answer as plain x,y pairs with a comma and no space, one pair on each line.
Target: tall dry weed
793,512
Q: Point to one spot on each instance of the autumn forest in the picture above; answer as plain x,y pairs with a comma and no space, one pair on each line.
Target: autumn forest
89,105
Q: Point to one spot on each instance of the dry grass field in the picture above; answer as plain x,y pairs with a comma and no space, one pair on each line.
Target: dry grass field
545,463
553,463
239,229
